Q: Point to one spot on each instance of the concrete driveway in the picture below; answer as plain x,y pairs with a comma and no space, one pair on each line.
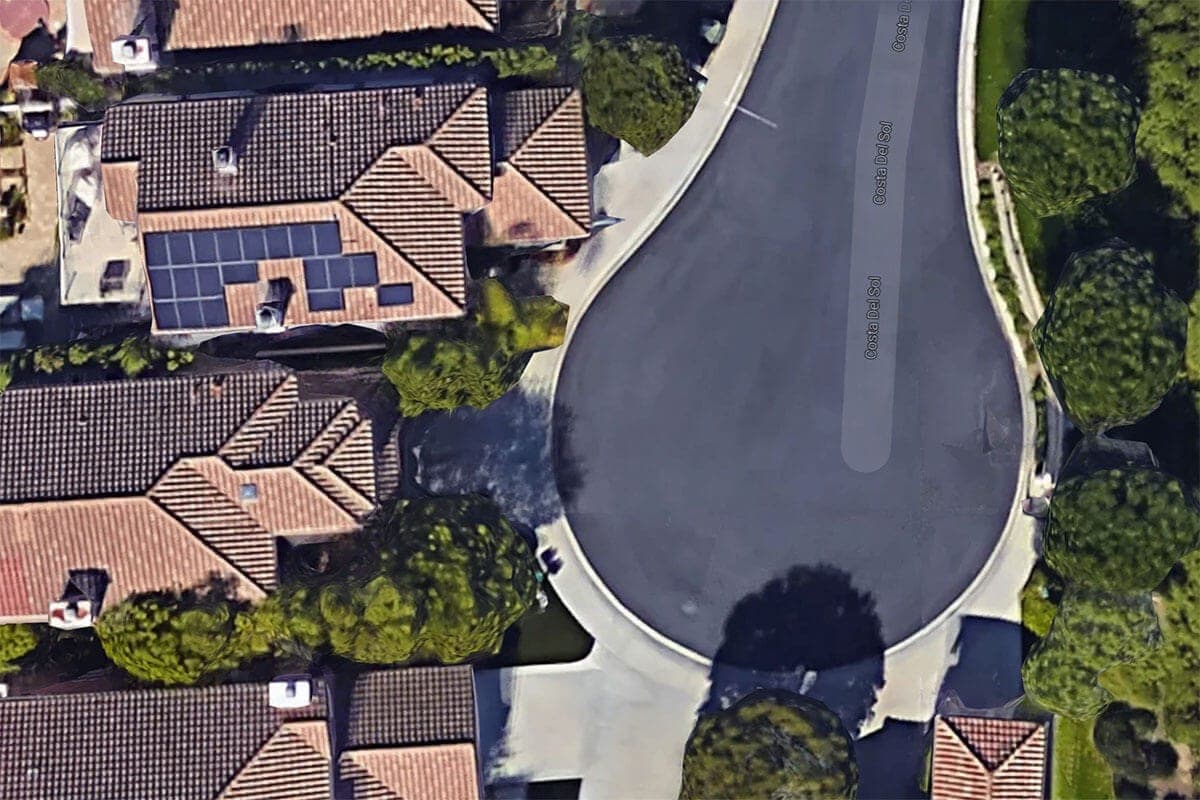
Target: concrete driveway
790,372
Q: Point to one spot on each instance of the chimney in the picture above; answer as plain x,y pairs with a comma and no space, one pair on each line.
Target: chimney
225,160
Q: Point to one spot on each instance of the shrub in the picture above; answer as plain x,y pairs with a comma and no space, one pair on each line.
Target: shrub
1120,529
476,366
15,641
1066,137
771,744
1111,338
74,81
637,89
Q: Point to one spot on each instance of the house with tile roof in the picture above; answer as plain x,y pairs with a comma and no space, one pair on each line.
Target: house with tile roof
980,758
133,34
269,211
401,733
118,487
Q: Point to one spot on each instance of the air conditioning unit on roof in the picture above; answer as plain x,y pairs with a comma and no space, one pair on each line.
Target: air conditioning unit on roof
134,53
290,691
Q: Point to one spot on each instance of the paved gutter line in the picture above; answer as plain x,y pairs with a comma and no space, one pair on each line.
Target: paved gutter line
542,375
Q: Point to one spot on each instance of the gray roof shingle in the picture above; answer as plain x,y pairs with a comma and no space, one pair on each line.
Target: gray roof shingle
159,744
299,147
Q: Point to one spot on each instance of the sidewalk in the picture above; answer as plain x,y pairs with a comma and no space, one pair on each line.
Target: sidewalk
619,719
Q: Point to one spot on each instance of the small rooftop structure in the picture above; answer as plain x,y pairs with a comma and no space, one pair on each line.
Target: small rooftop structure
980,758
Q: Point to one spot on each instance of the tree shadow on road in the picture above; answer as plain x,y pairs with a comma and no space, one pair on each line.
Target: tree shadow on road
810,631
502,451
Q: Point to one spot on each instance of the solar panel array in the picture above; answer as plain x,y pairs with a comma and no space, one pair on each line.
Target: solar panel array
189,270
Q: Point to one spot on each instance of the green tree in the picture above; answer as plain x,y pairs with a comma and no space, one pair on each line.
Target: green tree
1124,736
534,62
1169,680
638,89
15,641
440,579
1066,137
770,745
1168,137
74,81
1092,632
172,638
477,364
473,574
1119,529
1111,338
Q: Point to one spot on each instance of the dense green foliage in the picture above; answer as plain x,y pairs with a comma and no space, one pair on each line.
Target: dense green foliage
132,357
172,639
770,745
1092,632
1169,681
1066,137
477,364
637,89
1168,136
15,641
1039,600
1124,736
1119,529
441,580
74,81
1111,338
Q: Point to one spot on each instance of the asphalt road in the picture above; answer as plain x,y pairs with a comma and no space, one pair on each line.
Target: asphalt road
720,417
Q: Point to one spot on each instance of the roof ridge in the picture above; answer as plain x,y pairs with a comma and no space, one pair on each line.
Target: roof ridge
977,751
491,23
341,452
307,472
182,472
404,152
557,107
263,421
567,215
433,282
258,776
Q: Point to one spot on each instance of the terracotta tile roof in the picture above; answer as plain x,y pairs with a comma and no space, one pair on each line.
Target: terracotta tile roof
440,772
415,706
977,758
291,148
205,24
205,470
164,744
543,191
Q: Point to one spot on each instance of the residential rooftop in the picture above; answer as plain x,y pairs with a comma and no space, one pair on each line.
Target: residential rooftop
231,742
217,24
268,211
158,483
977,758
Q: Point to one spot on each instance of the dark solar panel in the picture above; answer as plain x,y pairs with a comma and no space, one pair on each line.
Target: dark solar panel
189,270
394,294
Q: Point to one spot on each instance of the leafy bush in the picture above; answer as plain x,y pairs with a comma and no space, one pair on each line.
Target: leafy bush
531,62
1111,338
172,638
1169,681
483,361
1123,735
15,641
770,744
132,356
74,81
1066,137
439,580
1168,136
637,89
1120,529
1092,632
1039,600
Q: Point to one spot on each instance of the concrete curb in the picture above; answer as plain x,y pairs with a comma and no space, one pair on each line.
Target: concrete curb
580,587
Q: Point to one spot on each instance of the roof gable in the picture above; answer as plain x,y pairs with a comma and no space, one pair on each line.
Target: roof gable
977,758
